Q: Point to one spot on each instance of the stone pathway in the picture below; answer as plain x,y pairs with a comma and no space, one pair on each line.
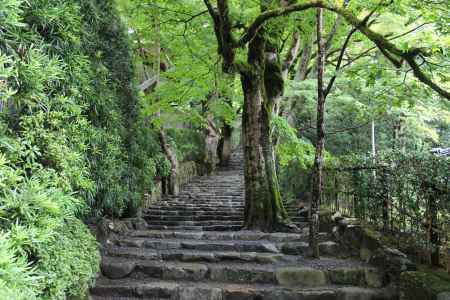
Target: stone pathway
194,249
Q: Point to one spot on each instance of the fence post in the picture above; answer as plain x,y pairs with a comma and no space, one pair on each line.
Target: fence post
386,198
336,192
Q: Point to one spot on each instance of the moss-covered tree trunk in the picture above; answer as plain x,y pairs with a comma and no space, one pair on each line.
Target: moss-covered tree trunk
263,206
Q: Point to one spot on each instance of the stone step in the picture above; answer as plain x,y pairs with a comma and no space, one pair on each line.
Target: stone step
199,215
199,203
195,223
216,184
197,207
213,186
126,289
299,247
207,200
203,245
234,212
210,194
206,217
120,298
197,228
159,212
244,235
308,273
202,204
206,192
184,255
219,179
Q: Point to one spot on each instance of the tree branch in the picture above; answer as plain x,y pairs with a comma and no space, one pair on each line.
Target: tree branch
385,46
339,62
291,54
362,54
225,29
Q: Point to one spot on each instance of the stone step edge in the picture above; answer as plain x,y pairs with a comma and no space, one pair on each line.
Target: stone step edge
166,289
200,256
250,273
220,235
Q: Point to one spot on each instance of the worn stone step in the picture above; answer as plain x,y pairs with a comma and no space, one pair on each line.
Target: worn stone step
161,217
159,212
91,297
206,220
223,193
226,193
205,205
197,208
204,217
171,290
263,246
201,203
184,255
151,212
121,298
202,245
206,199
221,236
194,223
197,228
306,273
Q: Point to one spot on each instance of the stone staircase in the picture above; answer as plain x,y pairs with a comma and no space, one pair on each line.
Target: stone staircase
194,249
211,203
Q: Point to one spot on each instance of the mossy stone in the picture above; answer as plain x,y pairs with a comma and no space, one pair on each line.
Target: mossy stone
424,285
308,277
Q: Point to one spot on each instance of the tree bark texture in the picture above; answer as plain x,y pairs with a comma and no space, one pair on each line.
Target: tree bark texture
211,143
225,145
317,188
263,206
173,188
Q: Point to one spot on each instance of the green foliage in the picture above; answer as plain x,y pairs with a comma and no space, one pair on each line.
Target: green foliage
18,280
72,141
39,225
291,148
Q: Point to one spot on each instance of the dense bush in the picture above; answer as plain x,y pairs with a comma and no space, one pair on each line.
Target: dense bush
72,142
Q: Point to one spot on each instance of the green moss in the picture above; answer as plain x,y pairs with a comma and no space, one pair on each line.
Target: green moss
424,284
439,277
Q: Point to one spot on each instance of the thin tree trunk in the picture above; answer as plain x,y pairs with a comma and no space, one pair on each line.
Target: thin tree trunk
225,146
291,54
173,188
173,177
317,189
300,75
374,151
302,69
211,143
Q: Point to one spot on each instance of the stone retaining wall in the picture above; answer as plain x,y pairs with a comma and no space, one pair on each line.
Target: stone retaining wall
187,170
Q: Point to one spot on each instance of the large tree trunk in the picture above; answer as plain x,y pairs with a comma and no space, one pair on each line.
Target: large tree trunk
263,206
